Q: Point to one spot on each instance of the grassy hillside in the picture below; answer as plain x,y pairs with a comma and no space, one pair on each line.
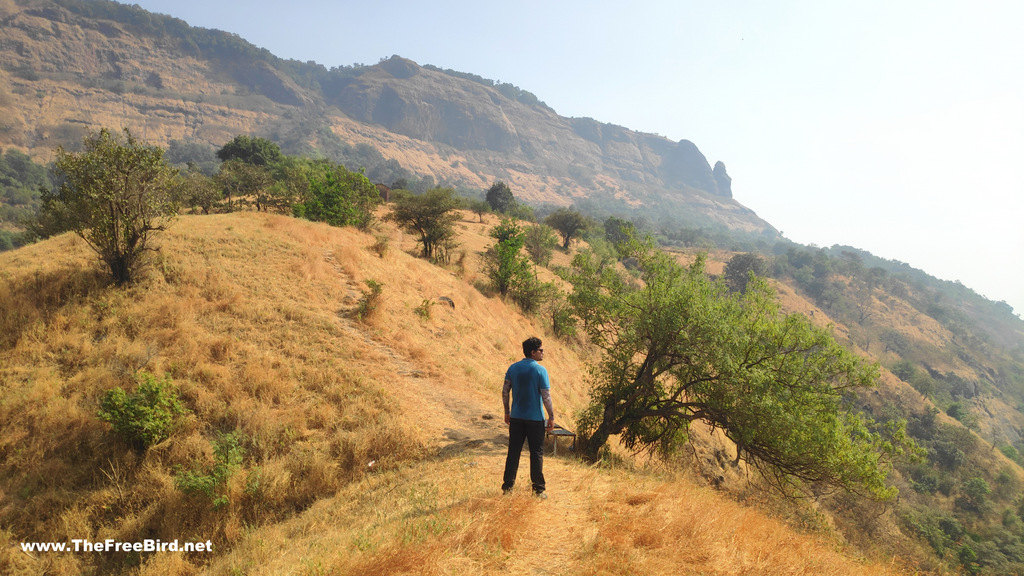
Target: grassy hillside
362,446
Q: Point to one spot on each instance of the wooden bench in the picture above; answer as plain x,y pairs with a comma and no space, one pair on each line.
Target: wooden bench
560,432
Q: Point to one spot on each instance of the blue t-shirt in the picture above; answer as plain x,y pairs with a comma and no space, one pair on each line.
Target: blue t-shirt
528,378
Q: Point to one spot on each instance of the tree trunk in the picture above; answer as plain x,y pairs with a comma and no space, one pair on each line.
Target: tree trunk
592,444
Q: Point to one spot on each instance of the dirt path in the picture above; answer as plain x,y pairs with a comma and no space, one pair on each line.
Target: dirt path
453,426
471,431
562,523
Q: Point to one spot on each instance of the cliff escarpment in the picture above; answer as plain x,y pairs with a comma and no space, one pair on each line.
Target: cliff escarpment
68,67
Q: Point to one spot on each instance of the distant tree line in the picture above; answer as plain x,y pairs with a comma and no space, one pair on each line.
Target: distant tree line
117,192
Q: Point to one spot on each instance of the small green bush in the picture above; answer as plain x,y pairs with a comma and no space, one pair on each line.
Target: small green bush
423,310
368,303
146,416
228,454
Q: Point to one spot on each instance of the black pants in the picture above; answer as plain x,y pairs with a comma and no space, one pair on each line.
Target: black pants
532,431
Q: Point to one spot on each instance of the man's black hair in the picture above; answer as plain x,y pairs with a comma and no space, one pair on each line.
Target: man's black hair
530,344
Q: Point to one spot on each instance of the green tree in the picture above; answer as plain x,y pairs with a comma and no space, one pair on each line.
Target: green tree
974,493
242,180
500,197
739,268
200,155
505,263
618,231
569,223
114,194
291,184
521,211
540,243
479,207
255,151
197,190
678,348
432,216
338,196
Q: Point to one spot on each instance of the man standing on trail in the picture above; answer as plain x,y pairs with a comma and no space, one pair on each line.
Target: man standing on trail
528,383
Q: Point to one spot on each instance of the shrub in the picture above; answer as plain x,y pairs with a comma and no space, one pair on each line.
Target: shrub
563,322
504,262
368,303
381,245
530,294
540,243
423,310
210,482
146,416
338,197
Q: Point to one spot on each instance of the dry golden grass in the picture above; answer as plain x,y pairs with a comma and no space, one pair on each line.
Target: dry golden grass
449,518
372,447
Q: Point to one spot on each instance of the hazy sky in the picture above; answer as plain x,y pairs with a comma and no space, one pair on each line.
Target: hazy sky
895,127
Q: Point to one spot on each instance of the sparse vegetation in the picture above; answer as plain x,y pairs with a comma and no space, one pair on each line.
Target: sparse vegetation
381,245
977,499
229,326
423,310
210,267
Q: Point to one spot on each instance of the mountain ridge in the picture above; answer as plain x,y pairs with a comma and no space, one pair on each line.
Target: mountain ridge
70,66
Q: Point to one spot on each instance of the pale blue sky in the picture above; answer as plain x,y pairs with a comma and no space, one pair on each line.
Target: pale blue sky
896,127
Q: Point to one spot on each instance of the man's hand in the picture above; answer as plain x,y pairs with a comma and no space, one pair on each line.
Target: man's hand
508,420
551,424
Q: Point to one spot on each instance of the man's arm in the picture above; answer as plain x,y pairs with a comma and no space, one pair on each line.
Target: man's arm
505,390
545,396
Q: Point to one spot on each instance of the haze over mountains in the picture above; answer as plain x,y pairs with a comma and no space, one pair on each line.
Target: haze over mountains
74,66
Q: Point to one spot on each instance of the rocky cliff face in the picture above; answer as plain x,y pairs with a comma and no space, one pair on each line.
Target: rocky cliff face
433,106
722,179
65,70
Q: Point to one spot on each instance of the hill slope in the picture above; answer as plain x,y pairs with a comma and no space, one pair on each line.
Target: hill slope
368,447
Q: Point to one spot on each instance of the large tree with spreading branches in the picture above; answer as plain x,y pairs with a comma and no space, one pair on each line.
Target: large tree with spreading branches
679,348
